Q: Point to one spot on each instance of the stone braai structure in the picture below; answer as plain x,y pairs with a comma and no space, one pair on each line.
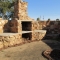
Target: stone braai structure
22,22
20,28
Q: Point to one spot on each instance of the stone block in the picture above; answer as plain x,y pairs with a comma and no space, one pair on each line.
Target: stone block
5,44
1,44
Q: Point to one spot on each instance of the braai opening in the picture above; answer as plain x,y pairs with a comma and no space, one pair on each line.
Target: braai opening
26,26
27,36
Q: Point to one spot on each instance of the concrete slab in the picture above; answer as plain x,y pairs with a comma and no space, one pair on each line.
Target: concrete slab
23,32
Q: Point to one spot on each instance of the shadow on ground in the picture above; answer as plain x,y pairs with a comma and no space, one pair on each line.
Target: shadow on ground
55,53
52,43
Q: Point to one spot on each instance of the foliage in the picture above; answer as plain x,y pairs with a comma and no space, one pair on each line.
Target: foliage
57,19
49,19
38,19
6,6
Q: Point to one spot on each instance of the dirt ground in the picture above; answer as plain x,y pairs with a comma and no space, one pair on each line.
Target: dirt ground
28,51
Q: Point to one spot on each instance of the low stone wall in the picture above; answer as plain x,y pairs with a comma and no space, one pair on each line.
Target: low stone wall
38,34
9,40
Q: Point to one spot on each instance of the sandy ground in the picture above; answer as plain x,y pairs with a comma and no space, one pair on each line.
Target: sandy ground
29,51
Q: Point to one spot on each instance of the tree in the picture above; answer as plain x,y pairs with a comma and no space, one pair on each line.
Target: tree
48,19
6,6
38,19
57,19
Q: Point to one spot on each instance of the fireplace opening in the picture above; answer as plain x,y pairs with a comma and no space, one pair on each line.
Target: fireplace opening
27,36
26,26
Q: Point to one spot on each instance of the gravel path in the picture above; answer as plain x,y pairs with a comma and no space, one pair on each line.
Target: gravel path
29,51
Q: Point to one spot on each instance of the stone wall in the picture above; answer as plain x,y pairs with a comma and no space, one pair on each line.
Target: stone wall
9,39
35,25
50,26
3,25
20,10
38,34
38,28
15,26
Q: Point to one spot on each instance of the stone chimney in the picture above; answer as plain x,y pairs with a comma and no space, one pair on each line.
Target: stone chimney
20,10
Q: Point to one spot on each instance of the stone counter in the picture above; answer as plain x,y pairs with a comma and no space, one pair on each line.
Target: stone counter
38,34
10,39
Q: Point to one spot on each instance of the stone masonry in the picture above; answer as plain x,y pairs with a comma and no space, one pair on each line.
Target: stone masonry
9,39
11,32
20,27
3,25
20,10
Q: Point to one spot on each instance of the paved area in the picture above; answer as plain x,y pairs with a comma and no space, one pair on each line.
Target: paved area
28,51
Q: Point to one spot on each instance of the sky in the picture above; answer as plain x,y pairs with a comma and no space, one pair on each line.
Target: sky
44,8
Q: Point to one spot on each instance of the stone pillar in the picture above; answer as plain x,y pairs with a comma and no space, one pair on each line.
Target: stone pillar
20,10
